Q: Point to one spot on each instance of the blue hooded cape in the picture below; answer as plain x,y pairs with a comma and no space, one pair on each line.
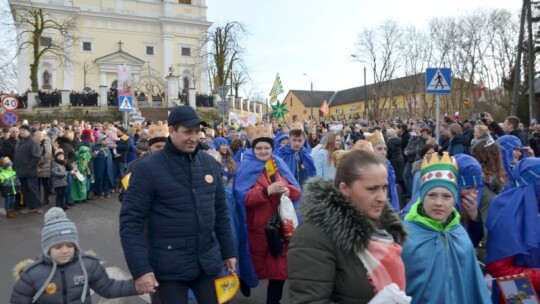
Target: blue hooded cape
394,198
287,154
508,143
513,224
246,175
470,175
429,254
277,142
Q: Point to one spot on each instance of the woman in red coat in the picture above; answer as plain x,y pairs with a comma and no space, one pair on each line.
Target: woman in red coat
260,189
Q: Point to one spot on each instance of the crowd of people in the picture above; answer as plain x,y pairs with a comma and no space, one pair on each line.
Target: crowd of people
384,207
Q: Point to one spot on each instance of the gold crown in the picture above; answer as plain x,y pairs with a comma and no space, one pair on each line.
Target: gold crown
375,138
297,126
254,132
445,161
158,131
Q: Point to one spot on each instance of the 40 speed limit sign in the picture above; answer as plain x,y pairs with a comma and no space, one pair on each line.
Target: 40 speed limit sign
10,103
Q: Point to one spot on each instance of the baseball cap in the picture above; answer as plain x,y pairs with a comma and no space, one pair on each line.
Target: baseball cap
185,116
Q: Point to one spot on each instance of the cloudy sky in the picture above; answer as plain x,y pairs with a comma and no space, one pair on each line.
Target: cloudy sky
316,37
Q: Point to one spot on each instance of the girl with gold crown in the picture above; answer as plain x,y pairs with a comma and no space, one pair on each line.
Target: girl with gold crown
440,261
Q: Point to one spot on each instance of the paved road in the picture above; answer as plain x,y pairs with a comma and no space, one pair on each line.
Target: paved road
97,223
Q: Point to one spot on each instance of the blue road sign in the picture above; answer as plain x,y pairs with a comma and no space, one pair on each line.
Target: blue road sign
125,103
438,81
10,118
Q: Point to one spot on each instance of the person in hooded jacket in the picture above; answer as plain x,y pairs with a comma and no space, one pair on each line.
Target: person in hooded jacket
63,273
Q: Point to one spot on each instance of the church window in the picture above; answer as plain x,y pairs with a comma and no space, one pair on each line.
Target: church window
87,46
149,50
184,1
45,41
186,51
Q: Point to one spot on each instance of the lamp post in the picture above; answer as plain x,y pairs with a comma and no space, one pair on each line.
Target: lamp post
311,81
365,86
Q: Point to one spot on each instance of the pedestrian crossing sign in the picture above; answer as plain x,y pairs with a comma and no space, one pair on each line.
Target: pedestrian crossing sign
125,103
438,81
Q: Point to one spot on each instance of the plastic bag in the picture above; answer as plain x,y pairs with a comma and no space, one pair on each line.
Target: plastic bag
391,295
289,220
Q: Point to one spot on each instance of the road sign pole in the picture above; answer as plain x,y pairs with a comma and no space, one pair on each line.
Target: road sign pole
438,117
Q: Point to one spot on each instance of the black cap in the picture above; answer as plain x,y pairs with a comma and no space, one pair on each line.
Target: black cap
26,127
185,116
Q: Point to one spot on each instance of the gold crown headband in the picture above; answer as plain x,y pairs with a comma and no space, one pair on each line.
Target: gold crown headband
375,138
158,131
254,132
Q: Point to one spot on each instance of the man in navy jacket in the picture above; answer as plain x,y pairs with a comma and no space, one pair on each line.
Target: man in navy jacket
178,195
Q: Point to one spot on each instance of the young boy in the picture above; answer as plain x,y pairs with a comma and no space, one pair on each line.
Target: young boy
63,274
10,186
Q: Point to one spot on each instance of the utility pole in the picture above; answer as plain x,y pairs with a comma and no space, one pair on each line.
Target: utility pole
311,101
530,48
517,69
365,93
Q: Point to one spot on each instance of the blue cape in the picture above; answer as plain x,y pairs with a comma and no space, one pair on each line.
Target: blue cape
287,154
428,254
394,198
237,212
513,224
470,175
508,143
246,175
277,142
238,155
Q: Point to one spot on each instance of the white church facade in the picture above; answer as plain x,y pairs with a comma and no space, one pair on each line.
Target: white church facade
157,39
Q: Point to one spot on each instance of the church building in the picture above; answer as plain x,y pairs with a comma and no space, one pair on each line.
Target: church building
154,38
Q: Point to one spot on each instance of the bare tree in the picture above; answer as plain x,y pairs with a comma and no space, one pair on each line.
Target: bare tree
379,48
8,72
417,52
225,52
239,78
43,34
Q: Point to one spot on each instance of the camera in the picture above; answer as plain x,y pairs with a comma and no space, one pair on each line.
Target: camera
483,115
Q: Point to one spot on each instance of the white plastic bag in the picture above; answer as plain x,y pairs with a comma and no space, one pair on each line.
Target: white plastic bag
391,295
289,220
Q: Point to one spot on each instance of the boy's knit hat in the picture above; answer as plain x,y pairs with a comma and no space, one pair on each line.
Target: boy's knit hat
58,229
441,172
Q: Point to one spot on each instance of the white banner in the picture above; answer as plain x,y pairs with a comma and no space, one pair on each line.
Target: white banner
243,120
123,84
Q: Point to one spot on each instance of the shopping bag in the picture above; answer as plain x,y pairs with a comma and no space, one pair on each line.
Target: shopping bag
226,288
289,220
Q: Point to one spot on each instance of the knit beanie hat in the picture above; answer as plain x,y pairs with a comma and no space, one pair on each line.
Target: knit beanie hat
58,229
25,127
218,142
441,172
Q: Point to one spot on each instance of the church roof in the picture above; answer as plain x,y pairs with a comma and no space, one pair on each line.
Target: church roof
119,57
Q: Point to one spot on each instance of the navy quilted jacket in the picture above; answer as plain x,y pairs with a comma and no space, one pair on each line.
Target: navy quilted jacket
182,200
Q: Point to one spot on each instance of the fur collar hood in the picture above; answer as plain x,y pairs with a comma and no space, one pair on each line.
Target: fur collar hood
325,207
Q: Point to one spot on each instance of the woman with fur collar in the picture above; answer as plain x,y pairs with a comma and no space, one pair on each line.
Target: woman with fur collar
348,247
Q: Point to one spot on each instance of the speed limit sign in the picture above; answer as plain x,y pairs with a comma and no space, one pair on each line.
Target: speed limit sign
10,103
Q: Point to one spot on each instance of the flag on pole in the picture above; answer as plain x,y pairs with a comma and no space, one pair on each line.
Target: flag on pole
277,89
324,107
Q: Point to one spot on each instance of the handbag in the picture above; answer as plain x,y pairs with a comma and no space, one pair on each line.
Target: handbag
273,234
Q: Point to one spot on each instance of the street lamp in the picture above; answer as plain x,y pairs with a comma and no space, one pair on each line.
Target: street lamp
365,86
311,81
